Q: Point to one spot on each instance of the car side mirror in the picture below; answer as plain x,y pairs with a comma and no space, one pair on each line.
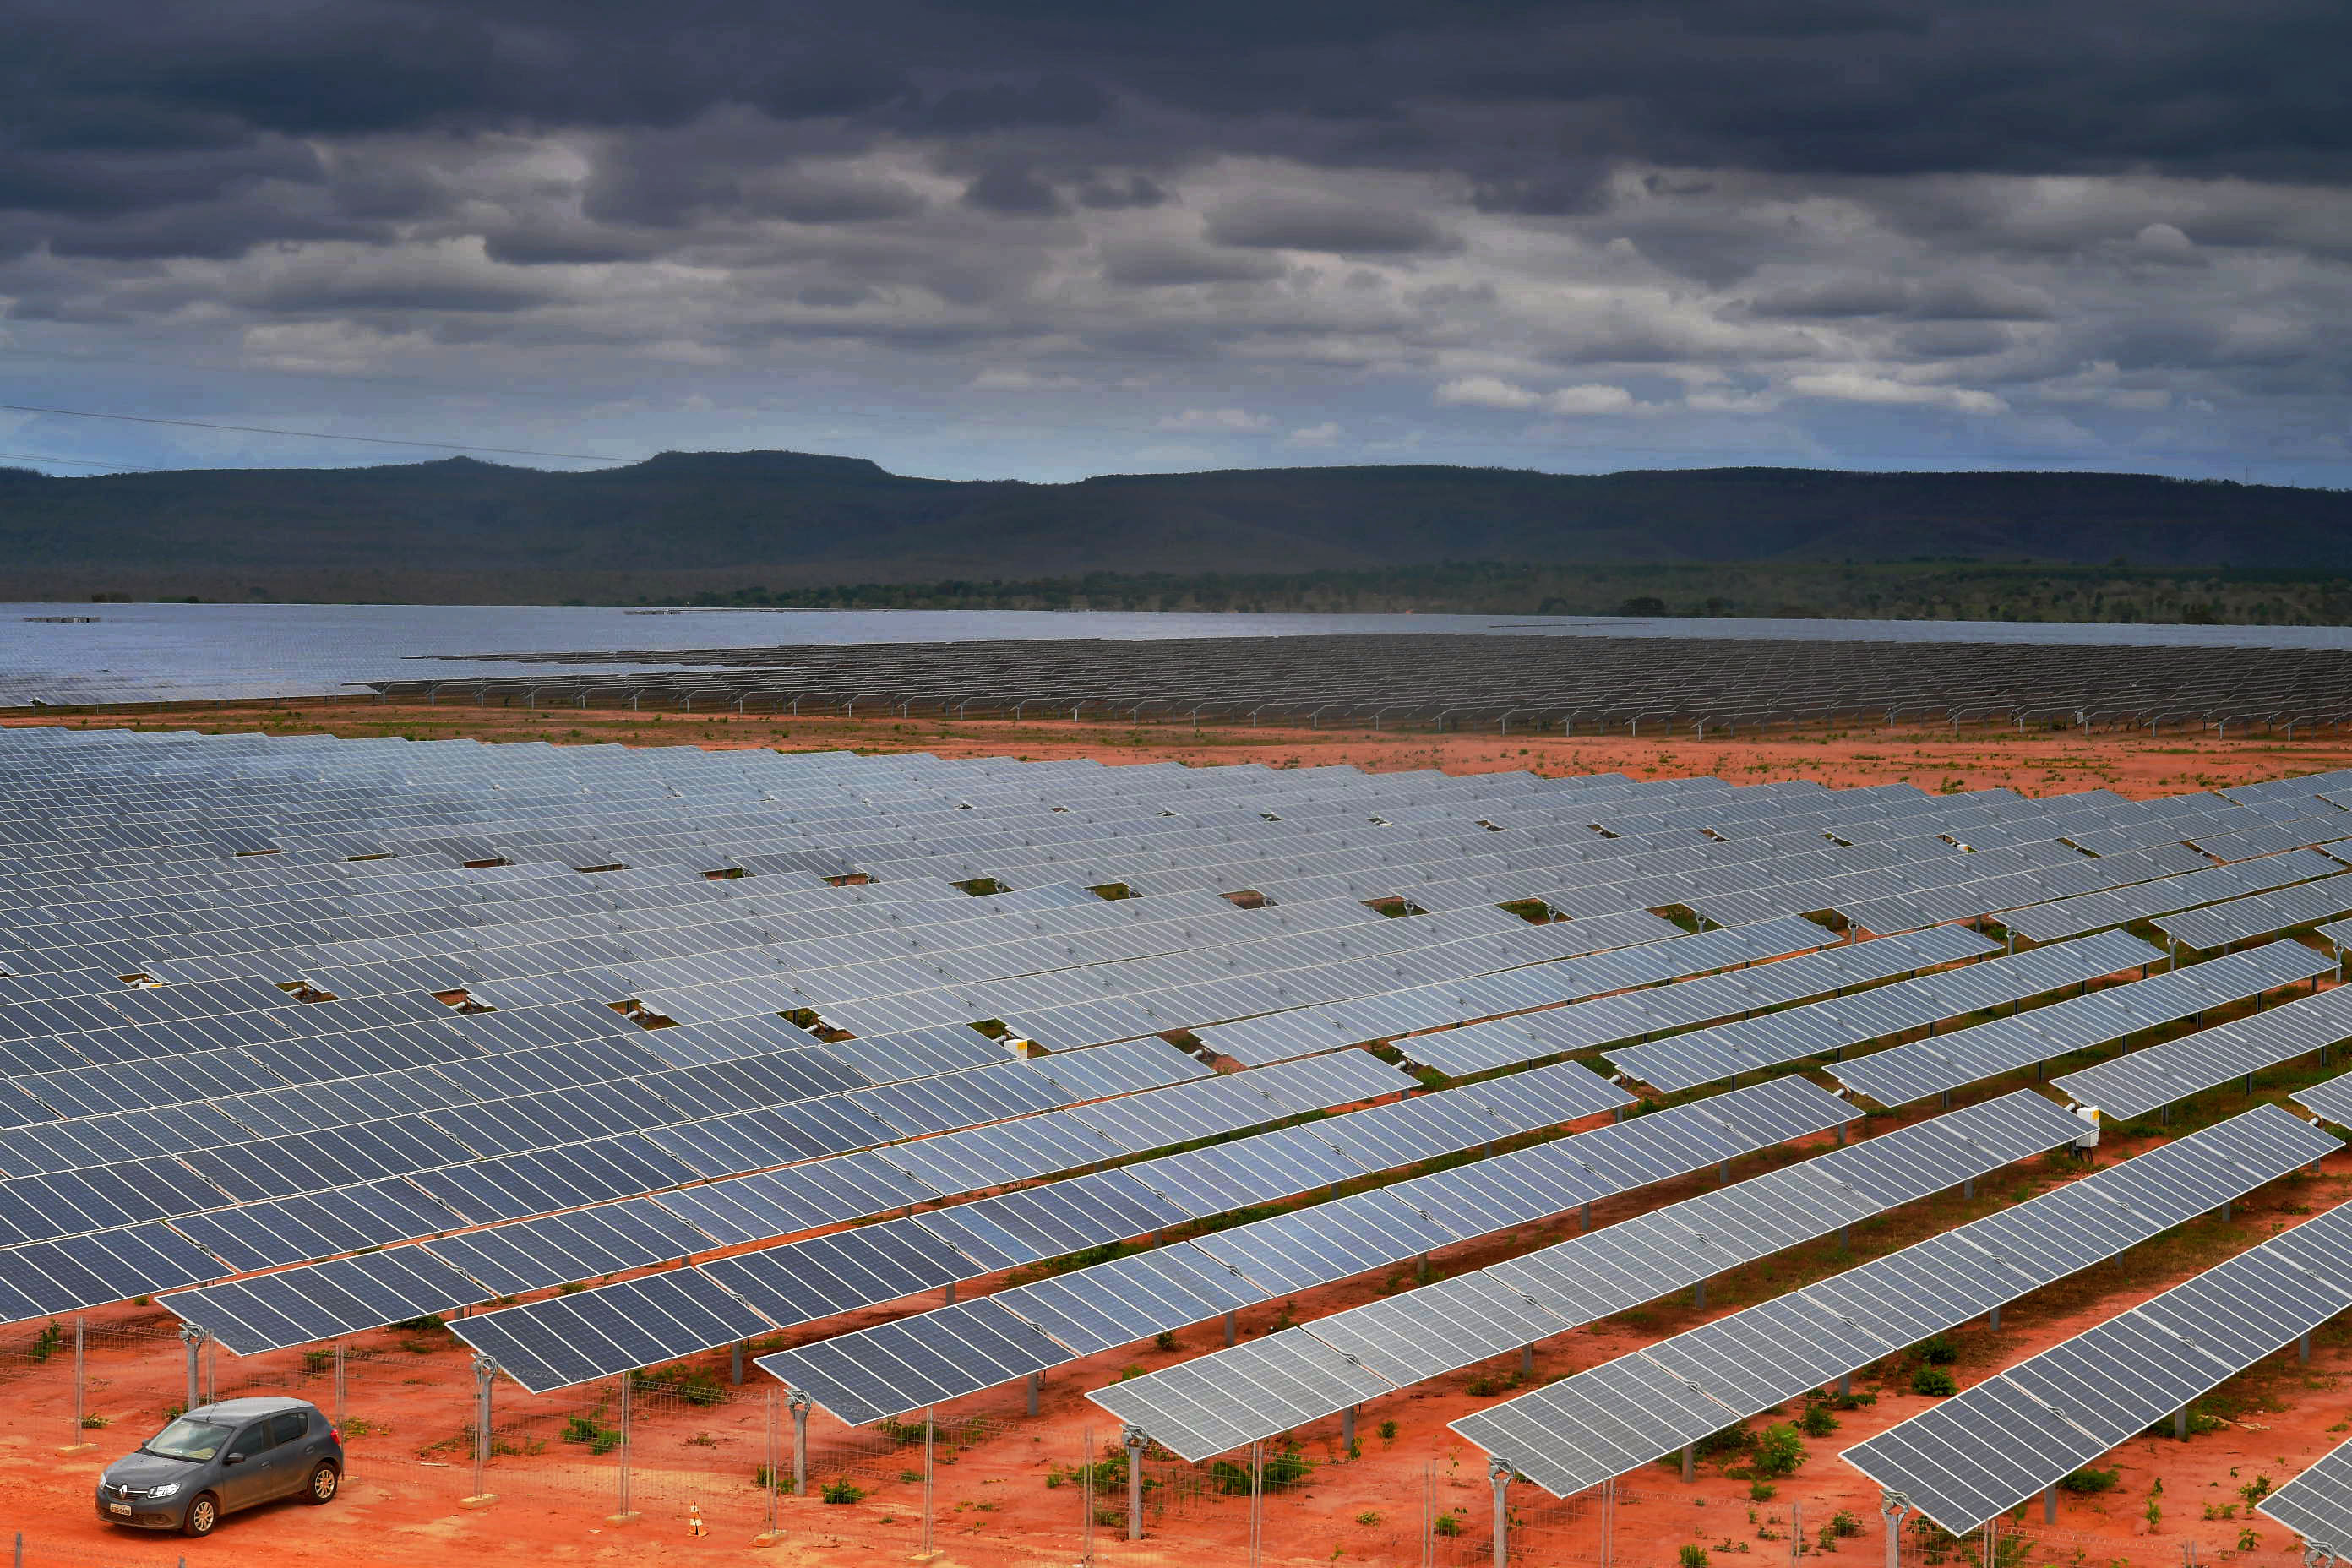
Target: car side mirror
234,1459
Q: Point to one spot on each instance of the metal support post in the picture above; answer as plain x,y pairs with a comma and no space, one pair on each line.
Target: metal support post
1690,1462
1527,1361
1845,1238
735,1365
1424,1271
1133,1438
1035,1380
1796,1532
1258,1500
193,1338
1609,1523
2181,1424
2302,1347
2228,1206
1994,1321
2050,1505
1892,1506
1499,1473
1698,1296
798,1401
1846,1383
1428,1514
929,1428
951,1300
1969,1188
1840,1134
1086,1499
1584,1217
1229,1332
1347,1431
771,1483
624,1513
80,1384
485,1369
1722,1172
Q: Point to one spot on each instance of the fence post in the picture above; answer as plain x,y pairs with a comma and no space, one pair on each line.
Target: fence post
1086,1496
628,1401
193,1338
81,1382
1796,1533
799,1401
773,1481
1428,1512
1498,1471
1133,1438
485,1369
343,1388
929,1426
1257,1500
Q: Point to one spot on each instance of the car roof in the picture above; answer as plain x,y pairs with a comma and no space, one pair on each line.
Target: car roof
245,1409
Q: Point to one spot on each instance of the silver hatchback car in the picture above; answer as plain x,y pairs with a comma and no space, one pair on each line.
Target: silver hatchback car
221,1457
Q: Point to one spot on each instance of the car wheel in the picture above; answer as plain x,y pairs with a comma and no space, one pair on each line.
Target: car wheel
324,1482
204,1513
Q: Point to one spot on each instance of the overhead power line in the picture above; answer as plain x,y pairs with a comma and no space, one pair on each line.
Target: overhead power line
313,435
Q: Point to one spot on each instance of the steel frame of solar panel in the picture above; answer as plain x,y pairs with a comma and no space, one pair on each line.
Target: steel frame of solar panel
1910,1072
1628,1412
1270,1258
1983,1451
1188,1408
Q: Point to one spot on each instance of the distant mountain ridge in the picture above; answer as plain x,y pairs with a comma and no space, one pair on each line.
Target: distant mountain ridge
787,518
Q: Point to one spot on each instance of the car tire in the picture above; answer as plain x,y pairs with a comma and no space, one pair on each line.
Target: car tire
204,1513
324,1483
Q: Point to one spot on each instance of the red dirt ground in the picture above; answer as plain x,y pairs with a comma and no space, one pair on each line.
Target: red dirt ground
996,1507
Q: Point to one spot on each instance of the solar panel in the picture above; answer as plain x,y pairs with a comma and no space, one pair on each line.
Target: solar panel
2260,914
2317,1504
1628,1412
1983,1452
1686,1062
1923,1068
2141,1081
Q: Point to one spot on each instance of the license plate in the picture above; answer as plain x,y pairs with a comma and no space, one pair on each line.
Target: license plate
118,1507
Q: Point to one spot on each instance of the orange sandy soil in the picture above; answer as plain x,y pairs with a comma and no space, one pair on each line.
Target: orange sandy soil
993,1503
2038,762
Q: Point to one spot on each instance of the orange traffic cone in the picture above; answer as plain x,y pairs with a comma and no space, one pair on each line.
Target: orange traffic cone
694,1519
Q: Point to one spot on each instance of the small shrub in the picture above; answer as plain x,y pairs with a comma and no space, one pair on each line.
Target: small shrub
361,1427
2084,1482
910,1477
96,1423
1779,1450
844,1490
1166,1342
1447,1524
318,1361
766,1476
2249,1542
1816,1421
1934,1381
1844,1523
1939,1351
2253,1491
1762,1491
1692,1557
1368,1517
599,1438
1388,1431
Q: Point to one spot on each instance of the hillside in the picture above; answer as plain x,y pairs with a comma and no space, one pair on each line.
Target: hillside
689,522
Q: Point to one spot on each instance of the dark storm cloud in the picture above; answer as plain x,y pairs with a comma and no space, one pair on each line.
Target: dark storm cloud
1270,221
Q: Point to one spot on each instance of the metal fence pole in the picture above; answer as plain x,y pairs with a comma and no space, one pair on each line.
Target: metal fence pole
1258,1500
485,1369
1892,1506
1796,1533
773,1481
193,1338
1086,1498
343,1388
1428,1513
1498,1471
1134,1439
799,1401
81,1383
624,1513
929,1427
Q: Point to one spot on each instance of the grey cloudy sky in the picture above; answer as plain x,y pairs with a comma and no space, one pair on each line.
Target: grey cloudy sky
982,238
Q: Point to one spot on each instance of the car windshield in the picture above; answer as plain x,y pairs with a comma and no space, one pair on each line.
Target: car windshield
187,1439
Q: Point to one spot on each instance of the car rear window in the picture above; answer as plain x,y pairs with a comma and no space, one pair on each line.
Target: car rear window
286,1427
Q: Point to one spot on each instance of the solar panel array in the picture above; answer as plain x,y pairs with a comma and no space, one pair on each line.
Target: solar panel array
2146,901
1968,1056
2141,1081
1587,682
2262,914
1204,1407
1686,1062
1631,1411
889,1370
2317,1504
551,1343
1980,1453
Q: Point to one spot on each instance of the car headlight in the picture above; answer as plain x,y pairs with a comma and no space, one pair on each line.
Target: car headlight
169,1489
